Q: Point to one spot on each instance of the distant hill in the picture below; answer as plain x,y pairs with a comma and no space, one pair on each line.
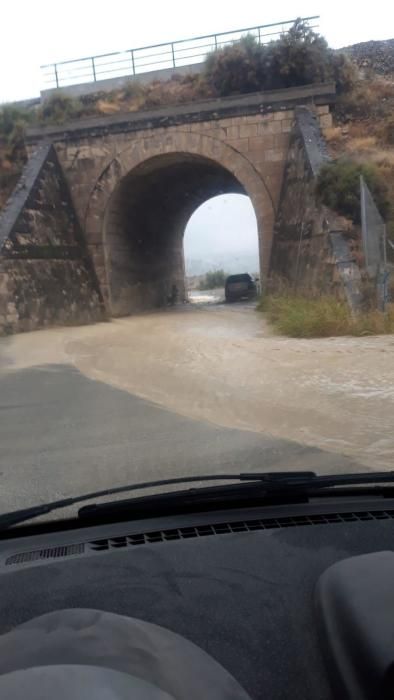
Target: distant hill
230,262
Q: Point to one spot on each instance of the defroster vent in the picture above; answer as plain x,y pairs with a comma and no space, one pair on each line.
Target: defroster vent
197,531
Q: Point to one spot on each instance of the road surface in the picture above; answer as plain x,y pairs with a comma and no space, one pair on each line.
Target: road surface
191,390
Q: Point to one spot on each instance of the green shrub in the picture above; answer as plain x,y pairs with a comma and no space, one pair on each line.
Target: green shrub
343,72
300,317
299,57
307,318
60,108
338,187
133,89
13,123
10,115
237,68
213,279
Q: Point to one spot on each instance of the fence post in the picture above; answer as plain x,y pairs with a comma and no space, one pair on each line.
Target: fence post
259,36
173,55
56,75
385,271
216,42
94,69
132,61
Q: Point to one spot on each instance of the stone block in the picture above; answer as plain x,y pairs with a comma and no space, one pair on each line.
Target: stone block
70,152
94,237
257,144
281,141
325,121
4,277
96,251
246,119
287,125
267,117
223,123
240,144
269,127
273,154
266,141
95,223
322,109
196,127
11,307
232,132
247,130
101,273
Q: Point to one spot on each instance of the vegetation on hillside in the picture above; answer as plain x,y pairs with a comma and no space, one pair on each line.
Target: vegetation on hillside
297,58
338,187
13,122
301,317
362,140
213,279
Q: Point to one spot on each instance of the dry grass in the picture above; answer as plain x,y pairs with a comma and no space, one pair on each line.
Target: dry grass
300,317
364,130
333,133
107,107
367,97
361,143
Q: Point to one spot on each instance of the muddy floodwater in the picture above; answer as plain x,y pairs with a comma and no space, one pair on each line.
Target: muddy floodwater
223,364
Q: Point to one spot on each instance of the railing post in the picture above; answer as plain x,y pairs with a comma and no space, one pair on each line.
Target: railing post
173,55
132,61
216,42
56,75
259,36
94,69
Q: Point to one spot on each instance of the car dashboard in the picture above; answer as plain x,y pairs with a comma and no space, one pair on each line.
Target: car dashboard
239,584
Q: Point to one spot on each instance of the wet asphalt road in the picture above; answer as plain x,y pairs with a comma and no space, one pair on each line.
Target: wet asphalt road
62,434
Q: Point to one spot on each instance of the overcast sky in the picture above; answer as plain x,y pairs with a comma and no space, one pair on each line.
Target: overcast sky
35,32
225,223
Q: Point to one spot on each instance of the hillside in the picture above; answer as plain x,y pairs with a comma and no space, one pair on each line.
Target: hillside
363,118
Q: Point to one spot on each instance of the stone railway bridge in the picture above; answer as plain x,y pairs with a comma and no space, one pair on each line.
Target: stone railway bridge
95,227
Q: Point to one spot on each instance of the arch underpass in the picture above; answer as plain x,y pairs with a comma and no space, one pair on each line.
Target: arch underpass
221,234
144,225
141,201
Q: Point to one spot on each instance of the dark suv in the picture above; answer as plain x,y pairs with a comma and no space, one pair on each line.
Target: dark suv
239,287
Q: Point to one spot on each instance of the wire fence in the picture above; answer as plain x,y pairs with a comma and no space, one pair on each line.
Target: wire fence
374,238
174,54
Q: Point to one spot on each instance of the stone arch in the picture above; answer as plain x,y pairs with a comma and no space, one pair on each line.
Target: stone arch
196,166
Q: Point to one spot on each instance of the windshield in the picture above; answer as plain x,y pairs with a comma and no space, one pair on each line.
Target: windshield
196,246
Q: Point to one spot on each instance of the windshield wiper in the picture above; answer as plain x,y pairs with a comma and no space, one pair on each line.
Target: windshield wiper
267,483
254,489
20,516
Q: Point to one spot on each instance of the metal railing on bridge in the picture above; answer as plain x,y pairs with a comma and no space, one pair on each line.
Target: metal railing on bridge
174,54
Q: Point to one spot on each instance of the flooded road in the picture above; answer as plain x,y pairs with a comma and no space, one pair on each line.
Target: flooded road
223,364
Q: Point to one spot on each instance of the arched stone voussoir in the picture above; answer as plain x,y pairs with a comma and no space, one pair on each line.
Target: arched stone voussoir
182,142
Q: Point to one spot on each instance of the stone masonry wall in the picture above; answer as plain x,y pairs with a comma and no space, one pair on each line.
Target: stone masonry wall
312,249
251,147
46,277
246,135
